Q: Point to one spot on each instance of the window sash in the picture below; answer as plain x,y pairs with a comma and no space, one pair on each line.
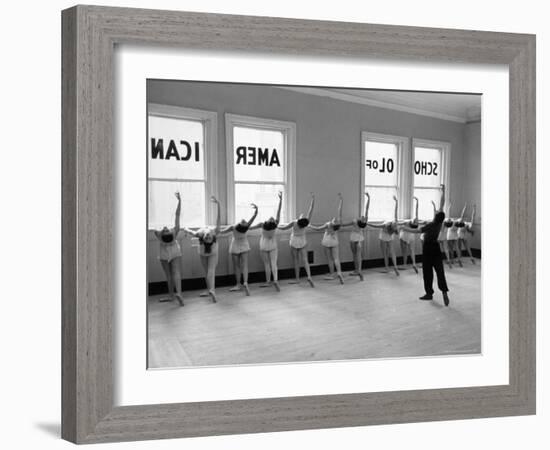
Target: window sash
403,156
289,139
209,120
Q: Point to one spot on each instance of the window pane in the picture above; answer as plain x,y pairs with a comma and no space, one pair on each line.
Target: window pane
162,203
176,148
382,205
263,195
380,163
425,198
427,167
258,154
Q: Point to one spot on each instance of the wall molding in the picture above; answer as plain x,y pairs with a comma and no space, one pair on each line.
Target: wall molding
376,103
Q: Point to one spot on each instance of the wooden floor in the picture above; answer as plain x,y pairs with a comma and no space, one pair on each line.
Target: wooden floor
380,317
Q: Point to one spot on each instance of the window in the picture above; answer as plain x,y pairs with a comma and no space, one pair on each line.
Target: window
383,157
180,147
429,171
261,162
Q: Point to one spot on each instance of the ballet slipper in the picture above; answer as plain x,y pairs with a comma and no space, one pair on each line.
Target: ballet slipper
212,295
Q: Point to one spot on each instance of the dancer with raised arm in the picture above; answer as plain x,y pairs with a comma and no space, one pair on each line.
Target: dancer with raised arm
431,253
208,252
331,243
356,239
408,240
170,255
298,242
239,249
465,230
269,246
388,231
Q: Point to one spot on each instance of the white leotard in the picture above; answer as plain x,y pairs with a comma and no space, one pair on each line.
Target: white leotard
268,241
330,238
384,234
357,233
298,236
407,236
239,242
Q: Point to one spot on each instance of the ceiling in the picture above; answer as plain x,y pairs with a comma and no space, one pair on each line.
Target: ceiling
448,106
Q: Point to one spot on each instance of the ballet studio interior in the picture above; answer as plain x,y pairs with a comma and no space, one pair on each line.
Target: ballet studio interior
296,224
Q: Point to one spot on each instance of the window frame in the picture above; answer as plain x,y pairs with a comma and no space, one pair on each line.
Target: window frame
289,132
445,148
209,119
403,156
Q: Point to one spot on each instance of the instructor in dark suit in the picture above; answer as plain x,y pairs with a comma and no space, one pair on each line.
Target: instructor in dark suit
431,253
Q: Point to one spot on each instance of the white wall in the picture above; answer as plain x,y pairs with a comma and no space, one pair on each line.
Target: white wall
328,142
30,268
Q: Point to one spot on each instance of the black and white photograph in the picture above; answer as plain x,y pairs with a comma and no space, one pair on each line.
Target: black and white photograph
305,224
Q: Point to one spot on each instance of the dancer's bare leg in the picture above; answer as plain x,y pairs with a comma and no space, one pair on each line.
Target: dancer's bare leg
413,257
328,254
244,265
353,248
303,251
296,259
168,274
446,250
359,259
394,258
267,268
469,250
335,255
237,269
273,254
211,276
204,262
175,266
403,246
384,249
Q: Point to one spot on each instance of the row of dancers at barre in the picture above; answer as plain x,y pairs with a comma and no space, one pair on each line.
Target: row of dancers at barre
453,237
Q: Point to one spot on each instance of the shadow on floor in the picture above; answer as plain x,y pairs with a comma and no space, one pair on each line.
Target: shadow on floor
53,429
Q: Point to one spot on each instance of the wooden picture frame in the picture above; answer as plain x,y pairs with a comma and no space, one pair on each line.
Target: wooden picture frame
89,36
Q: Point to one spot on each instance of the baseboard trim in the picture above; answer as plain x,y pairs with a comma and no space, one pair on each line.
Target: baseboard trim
191,284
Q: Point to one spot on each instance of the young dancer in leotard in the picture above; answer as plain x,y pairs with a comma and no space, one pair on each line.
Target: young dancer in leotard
331,243
408,240
388,231
465,230
298,242
357,237
452,238
239,249
208,252
170,255
269,246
